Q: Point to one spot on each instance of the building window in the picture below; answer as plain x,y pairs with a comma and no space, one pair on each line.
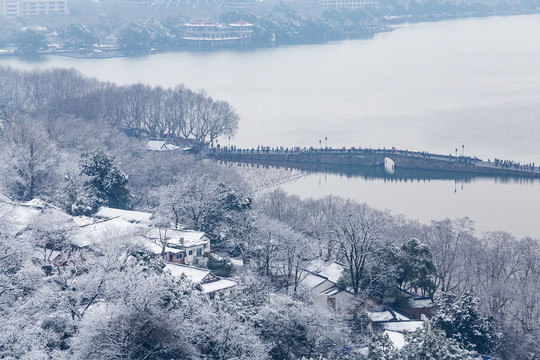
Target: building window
170,257
190,252
178,256
331,303
199,252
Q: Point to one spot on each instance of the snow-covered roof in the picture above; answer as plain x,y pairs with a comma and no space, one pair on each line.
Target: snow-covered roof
415,301
313,280
98,232
196,275
154,247
320,273
331,270
397,339
401,326
128,215
15,217
401,317
50,254
423,303
201,22
150,247
200,276
40,204
241,23
180,238
235,262
218,285
334,290
160,145
386,314
380,315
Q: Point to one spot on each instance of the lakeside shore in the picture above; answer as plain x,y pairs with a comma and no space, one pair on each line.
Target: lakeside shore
386,23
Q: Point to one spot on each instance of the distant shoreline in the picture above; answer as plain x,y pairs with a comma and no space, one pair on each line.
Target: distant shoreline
388,24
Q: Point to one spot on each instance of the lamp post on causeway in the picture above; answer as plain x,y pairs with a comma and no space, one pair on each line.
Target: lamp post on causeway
462,150
320,143
326,142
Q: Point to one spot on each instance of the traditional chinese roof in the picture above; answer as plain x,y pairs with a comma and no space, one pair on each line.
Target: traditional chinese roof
331,270
194,274
128,215
218,285
98,232
179,238
160,145
16,217
401,326
241,23
201,22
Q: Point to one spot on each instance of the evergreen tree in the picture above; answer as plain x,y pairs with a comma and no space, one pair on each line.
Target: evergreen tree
419,345
462,321
415,267
423,345
107,183
380,347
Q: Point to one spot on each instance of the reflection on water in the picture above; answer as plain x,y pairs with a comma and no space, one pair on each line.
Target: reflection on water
389,173
389,166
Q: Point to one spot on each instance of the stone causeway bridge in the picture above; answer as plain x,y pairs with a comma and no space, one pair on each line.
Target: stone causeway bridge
315,159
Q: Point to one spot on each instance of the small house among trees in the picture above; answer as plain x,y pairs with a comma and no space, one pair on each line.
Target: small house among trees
180,246
414,305
322,284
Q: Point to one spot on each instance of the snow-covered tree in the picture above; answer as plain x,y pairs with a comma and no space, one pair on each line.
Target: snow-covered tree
448,241
106,181
19,277
48,232
461,320
295,255
424,345
29,162
360,231
380,347
419,345
297,331
415,267
205,198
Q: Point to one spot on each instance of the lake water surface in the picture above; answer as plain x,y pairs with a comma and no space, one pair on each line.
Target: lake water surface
470,84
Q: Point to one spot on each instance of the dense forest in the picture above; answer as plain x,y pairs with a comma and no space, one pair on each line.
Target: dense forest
78,144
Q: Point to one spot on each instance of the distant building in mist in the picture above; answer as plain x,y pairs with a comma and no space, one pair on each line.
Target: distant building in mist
347,4
206,33
332,4
27,8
